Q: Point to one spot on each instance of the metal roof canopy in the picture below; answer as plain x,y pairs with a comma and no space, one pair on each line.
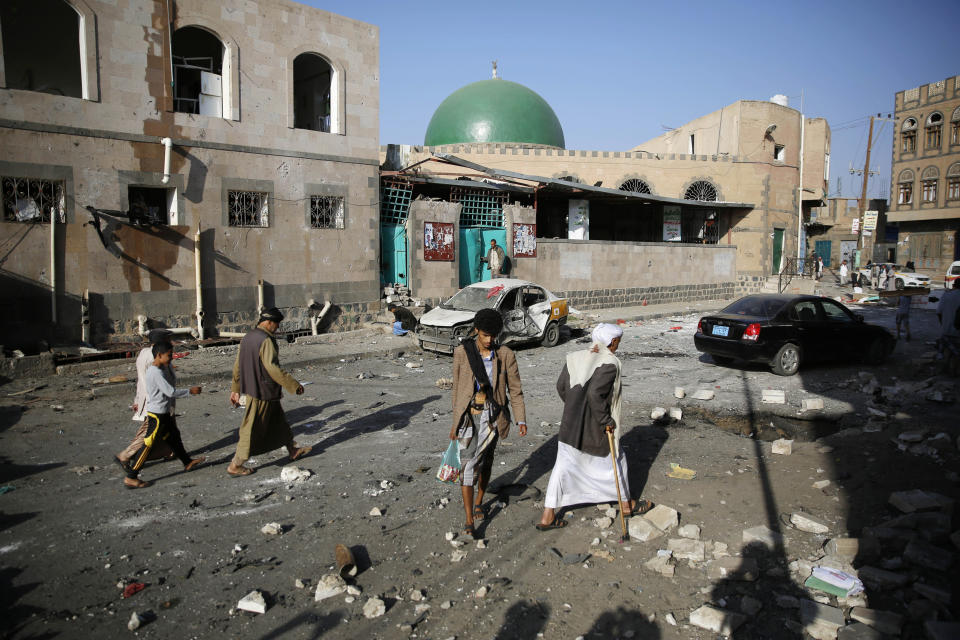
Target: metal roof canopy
573,187
472,184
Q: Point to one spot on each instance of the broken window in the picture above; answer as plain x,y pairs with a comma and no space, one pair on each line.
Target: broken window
41,46
198,83
934,126
955,127
312,83
326,212
248,208
151,206
701,190
635,185
909,135
779,153
33,199
479,207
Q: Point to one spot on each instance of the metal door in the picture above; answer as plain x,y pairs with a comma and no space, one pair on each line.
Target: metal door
474,244
847,249
823,250
777,249
393,253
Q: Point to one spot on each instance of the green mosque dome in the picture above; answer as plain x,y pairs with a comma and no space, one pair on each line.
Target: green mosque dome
494,110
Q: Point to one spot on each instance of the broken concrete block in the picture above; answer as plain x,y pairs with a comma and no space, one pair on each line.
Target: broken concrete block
458,555
816,614
912,436
808,523
764,535
703,394
883,621
931,592
750,606
690,531
679,392
662,565
272,529
676,414
374,608
717,620
782,447
821,484
657,413
850,549
663,517
720,550
927,555
919,500
811,404
253,602
602,523
293,473
859,631
684,549
642,530
135,621
881,579
734,568
876,412
329,585
376,512
774,396
786,601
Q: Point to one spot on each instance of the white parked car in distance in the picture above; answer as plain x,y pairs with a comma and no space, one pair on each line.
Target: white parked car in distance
953,272
902,277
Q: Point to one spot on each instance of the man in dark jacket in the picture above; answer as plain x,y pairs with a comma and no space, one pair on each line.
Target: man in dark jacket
403,319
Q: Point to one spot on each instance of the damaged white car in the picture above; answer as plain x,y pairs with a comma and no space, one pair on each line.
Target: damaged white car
530,314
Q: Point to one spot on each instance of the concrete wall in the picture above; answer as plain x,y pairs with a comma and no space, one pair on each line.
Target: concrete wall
432,280
100,146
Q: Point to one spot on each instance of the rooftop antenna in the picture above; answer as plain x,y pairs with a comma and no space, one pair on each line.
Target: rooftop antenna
494,62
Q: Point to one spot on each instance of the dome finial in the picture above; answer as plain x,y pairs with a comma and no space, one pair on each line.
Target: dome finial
494,69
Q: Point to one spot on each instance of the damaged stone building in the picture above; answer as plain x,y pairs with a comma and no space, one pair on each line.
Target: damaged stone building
169,156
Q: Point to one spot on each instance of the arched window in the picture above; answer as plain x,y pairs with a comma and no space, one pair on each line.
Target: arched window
909,135
701,190
42,47
953,182
928,184
955,127
199,84
905,187
312,93
635,185
934,127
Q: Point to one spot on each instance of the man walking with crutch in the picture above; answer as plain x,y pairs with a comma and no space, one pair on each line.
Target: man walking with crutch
589,386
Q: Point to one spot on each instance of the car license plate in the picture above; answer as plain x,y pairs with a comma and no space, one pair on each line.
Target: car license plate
720,331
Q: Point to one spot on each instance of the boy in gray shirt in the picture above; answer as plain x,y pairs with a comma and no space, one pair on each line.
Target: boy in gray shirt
162,426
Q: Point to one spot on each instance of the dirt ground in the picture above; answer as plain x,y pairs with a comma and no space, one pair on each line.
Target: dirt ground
71,536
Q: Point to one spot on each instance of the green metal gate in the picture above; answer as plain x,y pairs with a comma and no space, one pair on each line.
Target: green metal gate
777,249
394,209
481,220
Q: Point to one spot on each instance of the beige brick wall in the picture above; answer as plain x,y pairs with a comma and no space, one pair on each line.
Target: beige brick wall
433,280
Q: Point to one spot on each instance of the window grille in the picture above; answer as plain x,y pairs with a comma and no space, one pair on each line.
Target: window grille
248,208
906,193
909,141
635,185
953,188
33,199
911,95
395,201
702,191
929,191
326,212
479,208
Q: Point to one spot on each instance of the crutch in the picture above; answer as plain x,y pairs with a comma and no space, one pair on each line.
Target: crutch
616,479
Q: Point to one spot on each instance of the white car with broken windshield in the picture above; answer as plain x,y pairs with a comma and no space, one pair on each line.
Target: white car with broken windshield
530,313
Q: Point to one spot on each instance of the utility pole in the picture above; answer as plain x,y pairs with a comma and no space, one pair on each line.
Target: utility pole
866,173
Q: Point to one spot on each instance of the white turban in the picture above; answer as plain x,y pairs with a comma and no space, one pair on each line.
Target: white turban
605,333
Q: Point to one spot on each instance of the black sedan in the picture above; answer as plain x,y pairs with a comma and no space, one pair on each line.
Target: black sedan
785,330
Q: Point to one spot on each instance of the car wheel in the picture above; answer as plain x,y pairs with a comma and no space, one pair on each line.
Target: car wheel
787,360
877,352
551,335
899,283
723,360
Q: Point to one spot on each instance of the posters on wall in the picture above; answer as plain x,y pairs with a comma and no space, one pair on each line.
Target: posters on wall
524,240
870,220
855,225
671,223
438,241
578,220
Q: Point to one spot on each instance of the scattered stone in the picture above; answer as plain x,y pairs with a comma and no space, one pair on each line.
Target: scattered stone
734,568
850,549
811,404
883,621
786,601
813,614
330,585
663,517
353,590
253,602
764,535
83,470
450,535
642,530
912,436
876,412
684,549
603,523
292,473
929,591
658,413
662,564
421,608
750,606
720,550
595,542
671,620
610,512
774,396
458,555
482,592
374,608
679,392
858,631
409,365
691,531
299,584
808,523
927,555
456,544
135,621
676,414
782,447
919,500
375,512
444,383
717,620
703,394
881,579
446,604
821,484
272,529
416,595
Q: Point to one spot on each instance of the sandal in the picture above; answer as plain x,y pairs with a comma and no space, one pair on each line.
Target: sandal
141,484
301,452
193,464
243,471
468,531
638,507
478,513
558,523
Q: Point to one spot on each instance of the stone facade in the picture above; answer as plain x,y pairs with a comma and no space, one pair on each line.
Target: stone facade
96,147
925,175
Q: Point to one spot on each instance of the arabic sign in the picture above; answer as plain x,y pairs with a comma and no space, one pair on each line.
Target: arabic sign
671,223
438,241
855,226
578,220
870,220
524,240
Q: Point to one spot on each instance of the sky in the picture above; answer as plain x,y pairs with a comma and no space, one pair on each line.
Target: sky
617,73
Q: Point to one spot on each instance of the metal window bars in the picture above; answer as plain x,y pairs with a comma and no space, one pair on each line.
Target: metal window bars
33,199
395,198
326,212
635,185
479,208
248,208
701,190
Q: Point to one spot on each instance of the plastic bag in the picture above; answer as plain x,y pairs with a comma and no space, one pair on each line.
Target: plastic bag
450,465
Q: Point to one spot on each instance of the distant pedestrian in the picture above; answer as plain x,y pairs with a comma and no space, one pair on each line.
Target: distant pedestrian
813,264
495,259
162,425
819,267
891,282
403,319
485,377
903,315
257,375
843,273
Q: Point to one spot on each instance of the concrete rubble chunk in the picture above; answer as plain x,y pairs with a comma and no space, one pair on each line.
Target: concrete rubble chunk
717,620
374,608
703,394
684,549
416,595
661,564
679,392
883,621
816,614
811,404
786,601
376,512
329,585
919,500
676,414
720,550
253,602
750,606
764,535
642,530
821,484
663,517
657,413
881,579
293,473
912,436
931,592
808,523
782,447
272,529
691,531
927,555
734,568
458,555
603,523
353,590
135,621
774,396
850,549
859,631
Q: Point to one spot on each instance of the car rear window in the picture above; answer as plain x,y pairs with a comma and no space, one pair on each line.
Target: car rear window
760,307
955,270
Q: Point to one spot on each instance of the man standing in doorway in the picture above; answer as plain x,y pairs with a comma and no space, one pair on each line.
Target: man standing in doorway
495,259
258,376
